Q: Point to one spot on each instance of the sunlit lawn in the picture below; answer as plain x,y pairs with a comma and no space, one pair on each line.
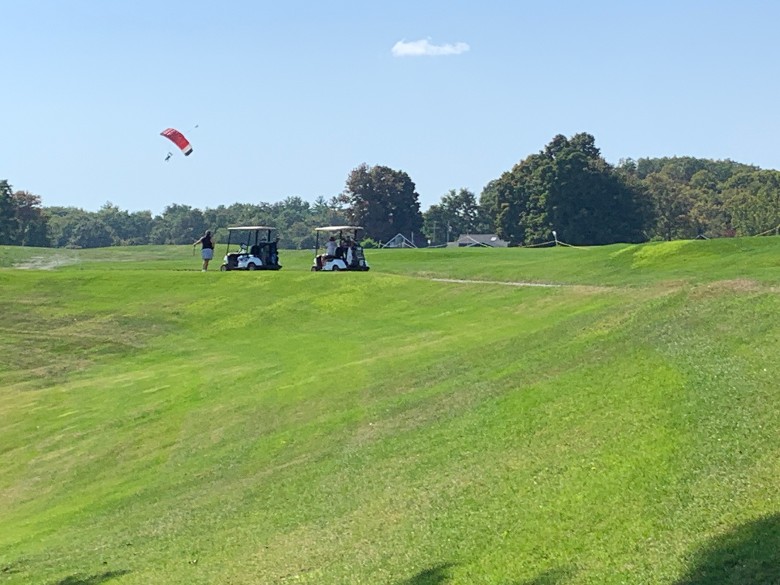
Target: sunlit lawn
161,425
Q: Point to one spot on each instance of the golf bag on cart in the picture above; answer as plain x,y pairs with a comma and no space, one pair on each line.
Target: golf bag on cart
358,257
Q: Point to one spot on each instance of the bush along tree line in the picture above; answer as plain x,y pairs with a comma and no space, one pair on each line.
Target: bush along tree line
567,187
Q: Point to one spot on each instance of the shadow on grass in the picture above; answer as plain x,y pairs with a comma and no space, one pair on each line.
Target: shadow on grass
437,575
92,579
551,577
748,555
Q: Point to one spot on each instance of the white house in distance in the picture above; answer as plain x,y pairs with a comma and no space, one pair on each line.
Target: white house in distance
482,240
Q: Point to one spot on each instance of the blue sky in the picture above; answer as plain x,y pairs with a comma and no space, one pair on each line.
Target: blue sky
289,96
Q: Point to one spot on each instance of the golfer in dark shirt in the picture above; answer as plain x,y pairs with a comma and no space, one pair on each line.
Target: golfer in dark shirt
207,249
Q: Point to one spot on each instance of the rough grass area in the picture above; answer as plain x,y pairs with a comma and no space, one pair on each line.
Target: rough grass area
161,425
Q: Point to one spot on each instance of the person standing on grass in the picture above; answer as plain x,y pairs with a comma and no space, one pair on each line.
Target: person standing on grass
207,249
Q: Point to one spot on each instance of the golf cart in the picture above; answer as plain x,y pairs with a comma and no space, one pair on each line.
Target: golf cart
348,253
256,250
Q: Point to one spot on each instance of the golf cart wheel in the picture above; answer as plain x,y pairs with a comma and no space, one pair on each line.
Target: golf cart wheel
251,266
224,268
314,269
336,268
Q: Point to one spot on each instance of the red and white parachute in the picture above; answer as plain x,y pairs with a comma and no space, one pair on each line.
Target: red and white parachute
178,139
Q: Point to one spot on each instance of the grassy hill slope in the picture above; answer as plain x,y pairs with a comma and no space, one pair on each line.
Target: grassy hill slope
161,425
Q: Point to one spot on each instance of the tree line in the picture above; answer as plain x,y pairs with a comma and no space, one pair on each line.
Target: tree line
570,188
567,187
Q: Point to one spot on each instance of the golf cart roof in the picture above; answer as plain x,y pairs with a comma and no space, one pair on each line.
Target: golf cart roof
252,227
338,228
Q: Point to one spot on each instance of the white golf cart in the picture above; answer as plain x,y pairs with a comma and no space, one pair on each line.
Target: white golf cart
255,249
348,253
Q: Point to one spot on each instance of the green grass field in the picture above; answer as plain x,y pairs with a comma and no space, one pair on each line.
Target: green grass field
161,425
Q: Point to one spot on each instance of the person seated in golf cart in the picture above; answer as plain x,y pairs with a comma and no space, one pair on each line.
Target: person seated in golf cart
341,251
331,251
353,254
348,251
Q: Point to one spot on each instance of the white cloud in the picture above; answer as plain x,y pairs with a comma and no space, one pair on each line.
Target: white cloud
424,48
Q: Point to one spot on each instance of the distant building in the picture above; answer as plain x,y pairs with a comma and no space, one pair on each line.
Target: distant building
483,240
399,241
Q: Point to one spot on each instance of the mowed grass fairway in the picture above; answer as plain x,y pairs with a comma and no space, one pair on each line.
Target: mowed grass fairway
159,425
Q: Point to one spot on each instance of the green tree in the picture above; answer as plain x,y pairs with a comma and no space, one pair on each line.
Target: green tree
689,194
516,202
384,201
91,232
752,199
127,228
62,222
7,213
587,202
328,212
178,224
31,221
289,211
570,188
436,225
457,213
299,236
683,168
708,212
673,207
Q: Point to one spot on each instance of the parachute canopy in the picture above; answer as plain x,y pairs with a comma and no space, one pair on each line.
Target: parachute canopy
178,139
